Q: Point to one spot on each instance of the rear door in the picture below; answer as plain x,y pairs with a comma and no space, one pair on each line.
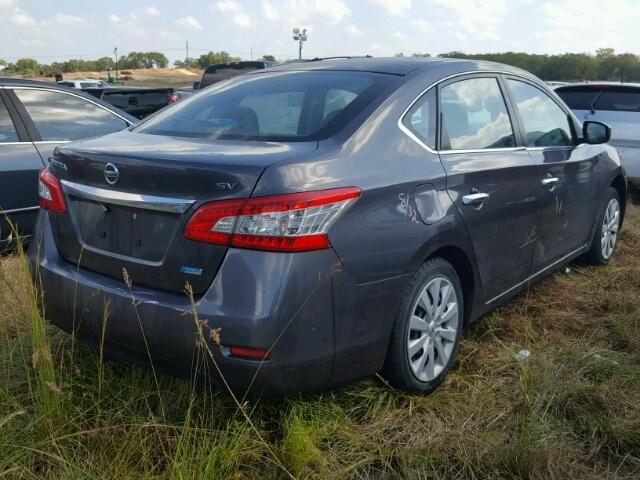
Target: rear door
565,175
19,167
490,178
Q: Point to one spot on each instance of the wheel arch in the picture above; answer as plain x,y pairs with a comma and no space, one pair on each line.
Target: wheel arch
620,184
463,266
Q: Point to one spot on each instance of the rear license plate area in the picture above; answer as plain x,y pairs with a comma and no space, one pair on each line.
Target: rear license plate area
133,232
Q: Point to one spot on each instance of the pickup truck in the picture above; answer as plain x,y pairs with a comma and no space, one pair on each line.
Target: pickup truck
222,71
136,101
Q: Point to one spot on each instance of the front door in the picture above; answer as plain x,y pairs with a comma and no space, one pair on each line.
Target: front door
491,180
565,175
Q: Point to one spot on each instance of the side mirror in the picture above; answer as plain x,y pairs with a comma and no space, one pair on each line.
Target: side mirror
596,132
196,85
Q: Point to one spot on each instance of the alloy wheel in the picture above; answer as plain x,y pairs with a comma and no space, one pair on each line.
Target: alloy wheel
433,329
610,227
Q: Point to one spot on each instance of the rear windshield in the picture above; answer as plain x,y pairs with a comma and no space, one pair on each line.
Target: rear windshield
283,106
619,100
578,98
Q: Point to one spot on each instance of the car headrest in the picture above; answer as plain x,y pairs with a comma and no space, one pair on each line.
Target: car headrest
455,119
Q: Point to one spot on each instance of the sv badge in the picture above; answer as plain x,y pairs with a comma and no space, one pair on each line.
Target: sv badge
225,186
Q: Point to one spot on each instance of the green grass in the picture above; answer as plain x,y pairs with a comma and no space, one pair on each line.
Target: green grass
572,410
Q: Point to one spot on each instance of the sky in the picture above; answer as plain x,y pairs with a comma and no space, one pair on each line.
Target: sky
51,30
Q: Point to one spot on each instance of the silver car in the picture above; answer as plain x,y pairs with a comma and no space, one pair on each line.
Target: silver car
617,105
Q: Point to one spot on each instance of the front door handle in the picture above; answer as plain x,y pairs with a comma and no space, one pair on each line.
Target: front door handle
550,181
474,198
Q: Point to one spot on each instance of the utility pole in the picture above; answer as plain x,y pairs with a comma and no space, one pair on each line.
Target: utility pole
115,52
300,37
186,60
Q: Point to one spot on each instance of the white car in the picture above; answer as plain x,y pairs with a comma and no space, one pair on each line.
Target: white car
82,83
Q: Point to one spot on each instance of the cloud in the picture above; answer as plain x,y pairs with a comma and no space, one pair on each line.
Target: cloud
114,18
22,18
67,20
151,11
333,10
421,25
394,7
189,22
240,17
354,31
476,16
400,36
269,11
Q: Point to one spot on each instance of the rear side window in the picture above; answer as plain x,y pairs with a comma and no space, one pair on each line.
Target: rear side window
421,119
60,116
7,129
622,100
581,98
475,116
545,123
287,106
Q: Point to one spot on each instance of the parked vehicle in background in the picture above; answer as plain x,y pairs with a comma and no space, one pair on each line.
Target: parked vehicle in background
617,105
82,83
35,118
332,218
223,71
139,102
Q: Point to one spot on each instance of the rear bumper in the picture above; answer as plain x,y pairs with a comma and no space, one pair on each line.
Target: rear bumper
257,300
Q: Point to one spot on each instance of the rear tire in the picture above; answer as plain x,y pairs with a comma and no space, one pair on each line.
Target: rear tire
608,225
427,329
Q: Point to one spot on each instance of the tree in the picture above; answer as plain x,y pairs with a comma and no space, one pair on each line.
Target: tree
269,58
212,58
26,65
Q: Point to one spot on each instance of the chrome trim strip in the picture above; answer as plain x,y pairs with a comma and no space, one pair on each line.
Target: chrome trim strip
73,95
16,210
539,272
147,202
15,143
48,142
413,137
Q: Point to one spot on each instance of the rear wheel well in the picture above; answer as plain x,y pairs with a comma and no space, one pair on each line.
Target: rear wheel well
462,265
621,186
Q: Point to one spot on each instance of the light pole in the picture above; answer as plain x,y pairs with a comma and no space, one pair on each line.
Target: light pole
300,37
115,52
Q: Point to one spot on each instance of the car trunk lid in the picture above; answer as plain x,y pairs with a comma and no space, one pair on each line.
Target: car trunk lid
129,196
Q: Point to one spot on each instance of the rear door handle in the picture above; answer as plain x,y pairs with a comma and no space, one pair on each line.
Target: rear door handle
550,181
474,198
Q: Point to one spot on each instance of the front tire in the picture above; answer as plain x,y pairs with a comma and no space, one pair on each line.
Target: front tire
427,329
606,236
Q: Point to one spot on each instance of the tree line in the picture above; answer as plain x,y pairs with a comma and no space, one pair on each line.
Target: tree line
567,67
605,64
30,66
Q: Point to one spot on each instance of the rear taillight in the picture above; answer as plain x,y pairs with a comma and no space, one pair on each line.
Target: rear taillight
50,195
288,223
173,97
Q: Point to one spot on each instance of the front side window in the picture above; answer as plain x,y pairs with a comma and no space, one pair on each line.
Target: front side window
60,116
7,129
475,116
286,106
421,119
545,123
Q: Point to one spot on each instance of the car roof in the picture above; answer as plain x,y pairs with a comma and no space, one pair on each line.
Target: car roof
396,65
23,82
602,84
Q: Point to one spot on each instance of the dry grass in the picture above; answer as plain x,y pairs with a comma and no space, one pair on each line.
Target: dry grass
572,410
144,77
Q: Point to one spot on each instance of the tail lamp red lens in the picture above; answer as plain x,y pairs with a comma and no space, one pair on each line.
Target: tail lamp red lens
50,194
288,223
250,353
173,97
